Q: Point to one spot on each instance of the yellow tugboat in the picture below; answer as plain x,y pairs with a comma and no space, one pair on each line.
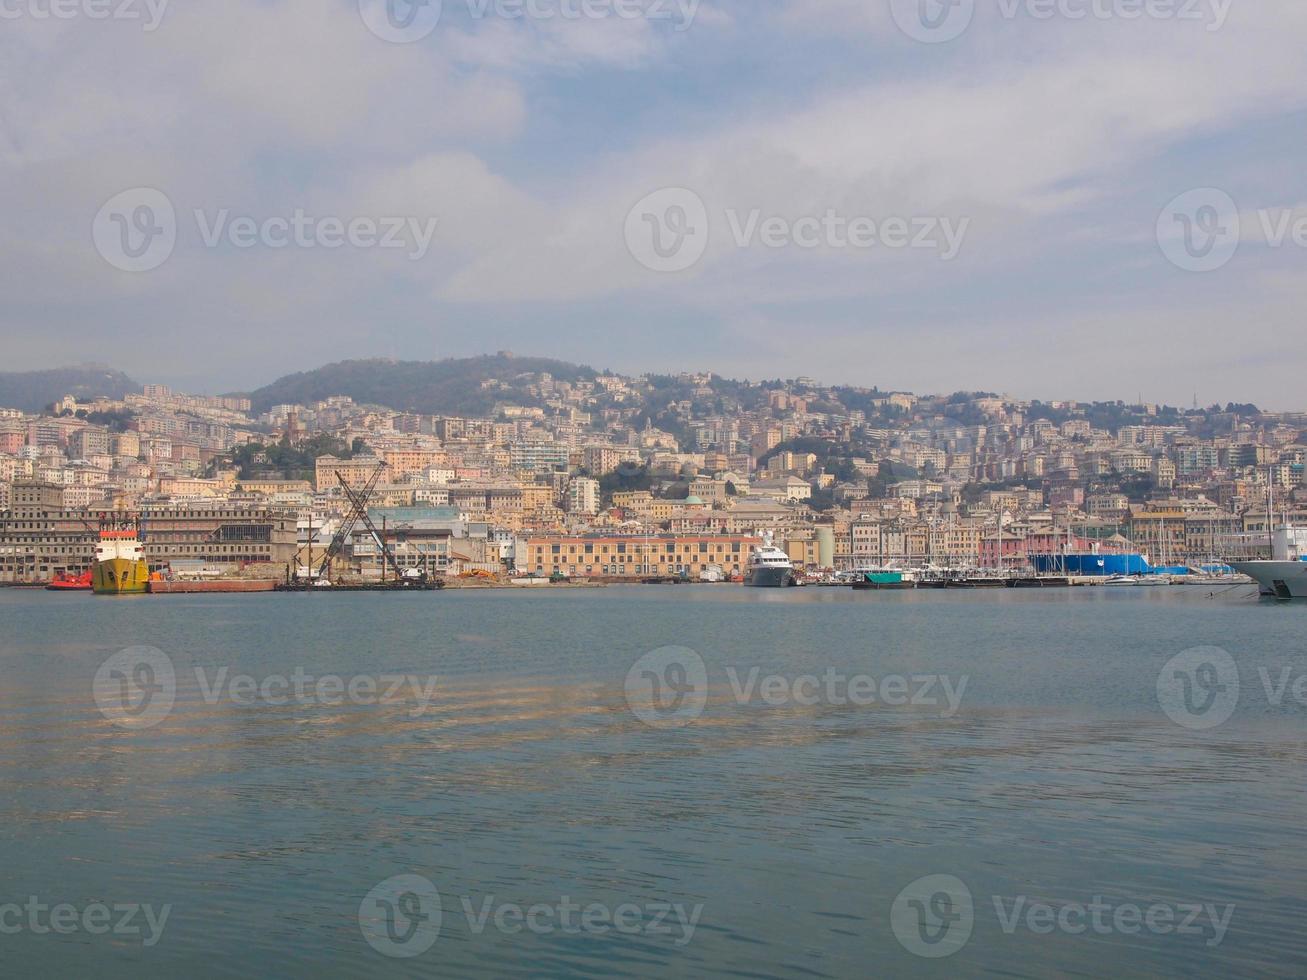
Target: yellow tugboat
120,566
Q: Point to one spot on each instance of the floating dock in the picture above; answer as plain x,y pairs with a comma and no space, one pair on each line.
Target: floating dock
209,588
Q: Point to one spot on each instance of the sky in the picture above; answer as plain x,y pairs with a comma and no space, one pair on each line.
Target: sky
1092,199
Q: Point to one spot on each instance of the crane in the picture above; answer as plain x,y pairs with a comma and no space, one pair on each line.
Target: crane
361,507
359,501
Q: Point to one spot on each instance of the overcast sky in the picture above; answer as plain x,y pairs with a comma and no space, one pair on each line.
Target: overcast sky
922,195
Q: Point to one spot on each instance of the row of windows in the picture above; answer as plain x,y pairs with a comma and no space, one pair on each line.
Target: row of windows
668,569
670,548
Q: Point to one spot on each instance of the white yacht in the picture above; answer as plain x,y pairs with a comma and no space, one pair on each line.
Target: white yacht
1285,575
769,567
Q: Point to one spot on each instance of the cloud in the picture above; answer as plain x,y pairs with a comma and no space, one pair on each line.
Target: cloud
1058,140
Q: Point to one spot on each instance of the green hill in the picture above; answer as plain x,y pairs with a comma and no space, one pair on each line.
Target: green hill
450,387
31,391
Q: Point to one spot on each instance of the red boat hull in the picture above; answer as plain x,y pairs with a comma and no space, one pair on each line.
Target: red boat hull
71,583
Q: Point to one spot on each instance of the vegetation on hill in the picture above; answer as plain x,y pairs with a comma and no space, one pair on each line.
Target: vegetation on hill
33,391
450,387
283,461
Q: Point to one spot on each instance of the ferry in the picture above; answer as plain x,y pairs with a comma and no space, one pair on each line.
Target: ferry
1285,575
769,567
120,566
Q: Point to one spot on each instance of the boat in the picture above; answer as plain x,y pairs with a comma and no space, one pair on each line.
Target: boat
68,582
120,566
884,578
1284,576
769,567
1122,580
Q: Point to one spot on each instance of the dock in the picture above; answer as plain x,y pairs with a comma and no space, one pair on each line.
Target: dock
210,588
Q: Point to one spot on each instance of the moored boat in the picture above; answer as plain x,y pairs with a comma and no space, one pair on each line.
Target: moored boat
68,582
1284,576
769,567
120,566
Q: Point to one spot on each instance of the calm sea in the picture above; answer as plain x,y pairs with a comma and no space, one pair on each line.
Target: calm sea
688,781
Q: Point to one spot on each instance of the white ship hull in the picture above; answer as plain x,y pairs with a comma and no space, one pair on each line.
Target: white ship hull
1282,579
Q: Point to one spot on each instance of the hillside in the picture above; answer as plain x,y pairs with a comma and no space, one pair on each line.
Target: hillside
31,391
450,387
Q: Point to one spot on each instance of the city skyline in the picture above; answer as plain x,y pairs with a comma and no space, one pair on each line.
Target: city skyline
1197,400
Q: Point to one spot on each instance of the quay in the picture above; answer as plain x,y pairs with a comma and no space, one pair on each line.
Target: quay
210,587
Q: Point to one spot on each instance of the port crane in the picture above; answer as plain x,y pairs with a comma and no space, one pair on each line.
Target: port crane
358,507
359,500
361,508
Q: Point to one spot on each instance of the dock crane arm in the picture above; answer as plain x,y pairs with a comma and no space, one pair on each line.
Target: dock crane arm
346,528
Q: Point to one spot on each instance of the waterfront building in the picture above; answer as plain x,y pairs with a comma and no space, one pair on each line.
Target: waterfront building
598,556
